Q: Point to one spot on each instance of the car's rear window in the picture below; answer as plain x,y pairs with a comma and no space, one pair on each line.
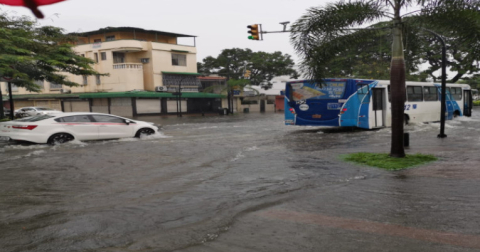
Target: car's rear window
34,118
40,109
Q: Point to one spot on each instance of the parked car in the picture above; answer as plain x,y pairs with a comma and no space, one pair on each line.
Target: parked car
6,112
31,111
64,127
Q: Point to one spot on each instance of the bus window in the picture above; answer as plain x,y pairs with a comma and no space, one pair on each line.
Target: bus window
414,93
430,93
456,93
361,92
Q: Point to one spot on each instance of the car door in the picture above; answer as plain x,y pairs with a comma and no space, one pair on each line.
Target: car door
82,126
112,127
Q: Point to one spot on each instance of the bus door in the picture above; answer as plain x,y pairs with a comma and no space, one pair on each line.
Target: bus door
448,102
467,102
378,98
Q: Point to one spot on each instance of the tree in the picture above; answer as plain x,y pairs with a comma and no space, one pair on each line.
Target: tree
263,66
30,53
321,34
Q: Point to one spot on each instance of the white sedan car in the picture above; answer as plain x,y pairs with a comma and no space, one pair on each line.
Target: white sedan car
31,111
64,127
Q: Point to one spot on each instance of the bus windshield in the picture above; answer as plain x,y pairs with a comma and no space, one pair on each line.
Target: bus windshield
308,90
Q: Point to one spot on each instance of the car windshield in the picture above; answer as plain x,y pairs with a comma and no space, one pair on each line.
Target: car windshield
34,118
44,109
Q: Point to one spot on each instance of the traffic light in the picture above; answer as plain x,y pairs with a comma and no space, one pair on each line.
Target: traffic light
255,34
247,73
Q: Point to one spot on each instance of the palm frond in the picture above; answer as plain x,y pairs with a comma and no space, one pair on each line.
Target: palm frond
317,59
322,32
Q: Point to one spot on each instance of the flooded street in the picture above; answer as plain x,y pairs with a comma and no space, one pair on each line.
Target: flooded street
223,183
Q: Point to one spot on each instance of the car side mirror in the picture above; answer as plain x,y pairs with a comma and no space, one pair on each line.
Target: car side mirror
127,122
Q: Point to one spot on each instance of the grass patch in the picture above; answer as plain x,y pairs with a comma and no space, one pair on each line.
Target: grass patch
384,161
476,103
5,120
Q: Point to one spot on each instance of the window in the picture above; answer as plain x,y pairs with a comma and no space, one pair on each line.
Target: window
414,93
83,55
110,38
35,118
85,80
361,92
97,78
14,88
55,86
179,60
96,57
456,93
103,55
118,57
105,118
77,118
430,93
40,84
247,101
97,40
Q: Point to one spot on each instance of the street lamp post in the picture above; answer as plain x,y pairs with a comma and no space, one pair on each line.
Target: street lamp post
10,98
444,84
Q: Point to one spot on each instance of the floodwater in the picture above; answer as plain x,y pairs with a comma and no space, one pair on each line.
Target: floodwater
182,188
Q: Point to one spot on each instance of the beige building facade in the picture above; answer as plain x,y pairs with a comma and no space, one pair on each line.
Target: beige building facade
134,58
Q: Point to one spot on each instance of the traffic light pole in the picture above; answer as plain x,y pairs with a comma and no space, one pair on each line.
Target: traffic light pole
257,32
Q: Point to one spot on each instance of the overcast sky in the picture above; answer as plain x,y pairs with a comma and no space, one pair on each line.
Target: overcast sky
219,24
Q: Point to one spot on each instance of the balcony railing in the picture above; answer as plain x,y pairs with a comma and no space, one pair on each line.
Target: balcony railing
128,66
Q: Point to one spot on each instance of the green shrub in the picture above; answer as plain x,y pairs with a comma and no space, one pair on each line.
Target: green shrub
476,103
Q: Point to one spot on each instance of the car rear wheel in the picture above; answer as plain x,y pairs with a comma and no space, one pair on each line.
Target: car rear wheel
60,138
144,131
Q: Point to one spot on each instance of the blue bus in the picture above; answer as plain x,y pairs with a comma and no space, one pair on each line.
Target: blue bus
366,103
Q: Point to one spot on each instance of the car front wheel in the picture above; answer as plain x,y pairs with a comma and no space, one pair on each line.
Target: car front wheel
60,138
144,131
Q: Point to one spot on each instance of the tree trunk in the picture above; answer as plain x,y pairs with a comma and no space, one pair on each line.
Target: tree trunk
397,89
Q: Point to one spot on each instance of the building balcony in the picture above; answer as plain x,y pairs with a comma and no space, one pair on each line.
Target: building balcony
128,66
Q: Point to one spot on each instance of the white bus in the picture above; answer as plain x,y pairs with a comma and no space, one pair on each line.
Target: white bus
370,106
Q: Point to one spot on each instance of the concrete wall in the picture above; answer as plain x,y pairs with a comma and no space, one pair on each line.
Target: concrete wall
254,107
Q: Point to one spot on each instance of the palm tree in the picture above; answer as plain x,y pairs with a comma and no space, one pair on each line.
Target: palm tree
323,33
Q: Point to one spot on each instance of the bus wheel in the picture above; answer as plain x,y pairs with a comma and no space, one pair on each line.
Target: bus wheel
456,113
405,119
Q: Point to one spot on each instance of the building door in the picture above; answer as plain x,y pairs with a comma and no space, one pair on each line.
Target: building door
378,105
262,105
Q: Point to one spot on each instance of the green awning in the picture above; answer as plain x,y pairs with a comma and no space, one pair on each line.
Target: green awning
148,94
42,96
183,73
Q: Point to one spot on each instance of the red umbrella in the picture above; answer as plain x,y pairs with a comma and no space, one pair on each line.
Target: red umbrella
31,4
